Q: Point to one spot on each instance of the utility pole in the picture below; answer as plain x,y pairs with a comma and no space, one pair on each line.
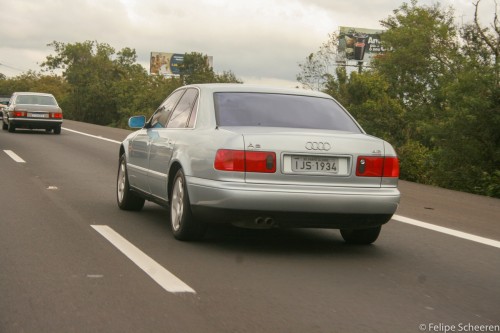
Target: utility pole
360,67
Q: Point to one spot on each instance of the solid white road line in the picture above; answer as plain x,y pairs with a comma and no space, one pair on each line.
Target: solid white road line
14,156
90,135
452,232
163,277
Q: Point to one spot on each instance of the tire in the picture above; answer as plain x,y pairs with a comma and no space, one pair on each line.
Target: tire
11,128
184,226
57,130
360,236
126,199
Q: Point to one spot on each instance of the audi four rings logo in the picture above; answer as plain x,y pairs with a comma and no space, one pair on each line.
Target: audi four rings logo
318,146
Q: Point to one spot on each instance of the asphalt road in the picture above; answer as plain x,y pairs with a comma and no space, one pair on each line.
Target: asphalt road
60,273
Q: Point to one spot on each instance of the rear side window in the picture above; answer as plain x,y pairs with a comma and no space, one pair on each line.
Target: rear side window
183,110
163,112
280,110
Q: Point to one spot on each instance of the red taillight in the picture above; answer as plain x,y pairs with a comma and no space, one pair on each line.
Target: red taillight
18,114
230,160
391,167
250,161
56,115
377,166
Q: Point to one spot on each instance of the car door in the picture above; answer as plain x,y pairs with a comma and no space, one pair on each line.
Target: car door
140,145
137,163
164,143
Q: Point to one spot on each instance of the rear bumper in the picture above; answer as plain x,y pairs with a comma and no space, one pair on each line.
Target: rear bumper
35,123
295,206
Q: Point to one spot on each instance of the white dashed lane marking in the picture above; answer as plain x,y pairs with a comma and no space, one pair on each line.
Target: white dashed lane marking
163,277
14,156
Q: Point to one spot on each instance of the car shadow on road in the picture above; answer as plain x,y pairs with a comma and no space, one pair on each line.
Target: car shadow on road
24,131
283,241
296,241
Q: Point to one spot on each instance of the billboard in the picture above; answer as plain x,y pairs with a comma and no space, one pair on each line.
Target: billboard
167,64
358,44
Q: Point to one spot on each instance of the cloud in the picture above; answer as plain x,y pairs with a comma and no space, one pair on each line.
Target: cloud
255,39
251,38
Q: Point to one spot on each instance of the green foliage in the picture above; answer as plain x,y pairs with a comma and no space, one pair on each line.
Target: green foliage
416,162
92,73
196,69
32,81
435,95
101,86
450,93
337,86
368,99
141,96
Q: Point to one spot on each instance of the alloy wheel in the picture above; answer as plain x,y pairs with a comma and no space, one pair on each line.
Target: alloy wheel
121,181
177,209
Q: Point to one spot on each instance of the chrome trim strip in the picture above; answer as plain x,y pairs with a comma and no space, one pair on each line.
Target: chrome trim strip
37,119
147,171
136,167
158,174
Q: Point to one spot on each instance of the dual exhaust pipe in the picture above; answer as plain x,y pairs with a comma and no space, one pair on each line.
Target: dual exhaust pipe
265,221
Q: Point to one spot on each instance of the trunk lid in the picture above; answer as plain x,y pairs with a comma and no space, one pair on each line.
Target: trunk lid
312,157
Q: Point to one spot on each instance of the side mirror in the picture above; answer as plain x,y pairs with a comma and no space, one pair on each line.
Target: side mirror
137,122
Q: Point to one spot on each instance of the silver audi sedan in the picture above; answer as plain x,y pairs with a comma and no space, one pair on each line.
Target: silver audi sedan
258,157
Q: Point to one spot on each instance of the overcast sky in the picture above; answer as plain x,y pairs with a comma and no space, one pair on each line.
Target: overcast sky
261,41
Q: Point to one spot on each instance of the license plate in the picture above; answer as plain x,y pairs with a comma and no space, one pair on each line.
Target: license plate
38,115
315,164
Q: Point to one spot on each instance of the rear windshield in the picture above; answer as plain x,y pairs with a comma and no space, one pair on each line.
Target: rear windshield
36,99
279,110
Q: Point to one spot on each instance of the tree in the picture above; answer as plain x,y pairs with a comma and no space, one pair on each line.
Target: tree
450,92
468,151
488,41
422,45
316,70
422,49
195,68
106,87
88,68
434,94
227,77
33,81
337,86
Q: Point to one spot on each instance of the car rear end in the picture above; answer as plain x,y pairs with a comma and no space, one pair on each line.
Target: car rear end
35,111
295,160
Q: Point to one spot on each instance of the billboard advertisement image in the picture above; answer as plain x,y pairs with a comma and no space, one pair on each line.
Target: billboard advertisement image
359,44
168,64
